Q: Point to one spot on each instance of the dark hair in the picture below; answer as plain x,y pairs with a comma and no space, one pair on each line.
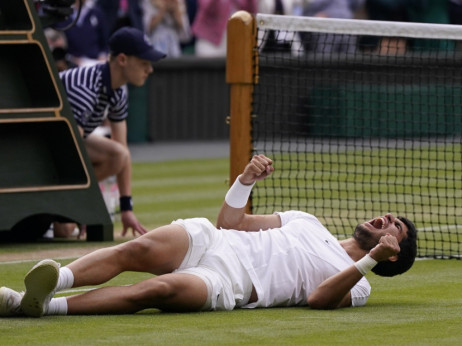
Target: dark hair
406,256
59,53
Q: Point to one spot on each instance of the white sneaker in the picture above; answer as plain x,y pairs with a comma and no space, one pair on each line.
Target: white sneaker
40,284
10,302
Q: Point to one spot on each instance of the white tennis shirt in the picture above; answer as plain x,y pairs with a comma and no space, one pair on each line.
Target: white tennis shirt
286,264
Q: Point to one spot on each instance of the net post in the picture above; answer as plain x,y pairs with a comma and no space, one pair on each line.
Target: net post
240,76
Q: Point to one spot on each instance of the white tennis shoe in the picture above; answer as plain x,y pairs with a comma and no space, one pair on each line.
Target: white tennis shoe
40,284
10,302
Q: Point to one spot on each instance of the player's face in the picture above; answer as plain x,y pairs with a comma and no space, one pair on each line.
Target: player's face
137,70
369,233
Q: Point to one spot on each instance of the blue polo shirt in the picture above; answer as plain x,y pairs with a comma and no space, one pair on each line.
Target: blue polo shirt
91,97
89,36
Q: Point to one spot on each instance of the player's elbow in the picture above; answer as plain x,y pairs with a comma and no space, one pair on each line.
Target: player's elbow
319,303
235,221
324,302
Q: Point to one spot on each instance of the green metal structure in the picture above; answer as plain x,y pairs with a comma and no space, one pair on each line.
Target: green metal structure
45,173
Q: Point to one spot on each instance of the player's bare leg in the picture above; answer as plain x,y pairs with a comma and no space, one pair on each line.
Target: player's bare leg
169,292
107,156
158,252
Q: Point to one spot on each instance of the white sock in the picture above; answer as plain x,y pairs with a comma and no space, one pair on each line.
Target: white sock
57,306
65,279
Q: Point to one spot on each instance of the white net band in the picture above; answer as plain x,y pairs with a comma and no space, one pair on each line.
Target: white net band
359,27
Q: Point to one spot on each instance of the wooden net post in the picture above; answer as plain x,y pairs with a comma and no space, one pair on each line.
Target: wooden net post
240,75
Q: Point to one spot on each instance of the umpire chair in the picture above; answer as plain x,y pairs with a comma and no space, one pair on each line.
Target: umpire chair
45,173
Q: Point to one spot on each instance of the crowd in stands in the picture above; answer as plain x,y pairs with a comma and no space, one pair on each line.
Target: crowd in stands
198,27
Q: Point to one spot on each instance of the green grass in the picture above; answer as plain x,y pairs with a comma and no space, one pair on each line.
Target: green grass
422,307
179,189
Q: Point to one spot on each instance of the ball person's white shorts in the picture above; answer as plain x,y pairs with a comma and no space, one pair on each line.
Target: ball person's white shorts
213,260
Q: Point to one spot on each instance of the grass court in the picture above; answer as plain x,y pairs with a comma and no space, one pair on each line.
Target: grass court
422,307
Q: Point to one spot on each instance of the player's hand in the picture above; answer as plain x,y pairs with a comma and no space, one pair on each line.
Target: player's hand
129,221
387,247
257,169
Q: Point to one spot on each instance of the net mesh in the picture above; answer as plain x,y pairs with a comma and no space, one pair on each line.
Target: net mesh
361,125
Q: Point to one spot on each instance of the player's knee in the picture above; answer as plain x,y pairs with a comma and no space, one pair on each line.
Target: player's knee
154,294
134,249
162,290
120,155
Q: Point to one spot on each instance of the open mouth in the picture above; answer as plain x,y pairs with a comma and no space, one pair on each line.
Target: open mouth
379,223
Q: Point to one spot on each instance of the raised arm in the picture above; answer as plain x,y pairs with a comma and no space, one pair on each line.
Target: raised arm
335,292
232,213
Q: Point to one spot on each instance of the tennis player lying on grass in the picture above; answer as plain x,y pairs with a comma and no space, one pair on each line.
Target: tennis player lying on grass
247,261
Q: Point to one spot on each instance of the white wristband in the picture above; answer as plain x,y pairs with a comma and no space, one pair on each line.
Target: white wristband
238,194
365,264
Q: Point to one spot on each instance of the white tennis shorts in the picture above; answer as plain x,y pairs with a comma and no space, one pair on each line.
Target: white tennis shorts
213,260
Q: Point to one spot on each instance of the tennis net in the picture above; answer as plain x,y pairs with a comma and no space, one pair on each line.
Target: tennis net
361,118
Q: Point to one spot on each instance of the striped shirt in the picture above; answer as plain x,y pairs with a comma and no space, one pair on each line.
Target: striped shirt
91,97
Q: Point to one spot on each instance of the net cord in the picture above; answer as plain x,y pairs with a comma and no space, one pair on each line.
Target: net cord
358,27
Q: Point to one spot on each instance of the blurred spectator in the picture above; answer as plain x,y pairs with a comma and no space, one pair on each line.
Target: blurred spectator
57,43
344,9
286,7
331,8
61,59
121,13
55,38
423,11
210,23
278,41
191,9
167,25
87,37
